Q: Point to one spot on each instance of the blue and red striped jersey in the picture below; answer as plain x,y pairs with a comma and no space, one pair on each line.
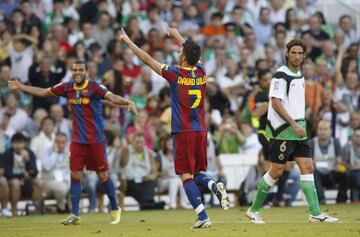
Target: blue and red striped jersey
86,109
187,92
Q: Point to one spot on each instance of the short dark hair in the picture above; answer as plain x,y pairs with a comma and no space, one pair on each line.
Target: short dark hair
60,134
192,52
81,62
262,72
18,137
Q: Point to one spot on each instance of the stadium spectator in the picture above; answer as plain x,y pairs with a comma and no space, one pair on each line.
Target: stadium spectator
21,56
277,11
229,138
21,172
167,178
352,162
215,27
152,22
55,171
61,124
8,6
41,143
13,118
46,74
102,32
327,157
315,37
263,28
232,84
140,173
345,25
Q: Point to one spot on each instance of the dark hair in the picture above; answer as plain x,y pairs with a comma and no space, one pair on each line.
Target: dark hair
344,16
192,52
81,62
262,72
295,42
18,137
60,134
321,17
216,15
287,16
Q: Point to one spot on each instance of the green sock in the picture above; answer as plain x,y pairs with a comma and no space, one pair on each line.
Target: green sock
308,187
261,193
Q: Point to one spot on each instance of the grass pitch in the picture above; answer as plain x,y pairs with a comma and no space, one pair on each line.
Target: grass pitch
279,222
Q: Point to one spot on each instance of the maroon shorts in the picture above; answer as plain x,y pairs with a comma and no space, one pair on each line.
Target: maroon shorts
190,150
91,156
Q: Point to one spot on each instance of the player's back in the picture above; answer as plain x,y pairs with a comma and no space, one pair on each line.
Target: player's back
187,91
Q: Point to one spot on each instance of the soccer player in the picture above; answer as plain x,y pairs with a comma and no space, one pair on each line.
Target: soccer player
261,109
288,138
187,91
88,142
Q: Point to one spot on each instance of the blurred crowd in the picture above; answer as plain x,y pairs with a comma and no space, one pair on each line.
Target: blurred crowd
40,39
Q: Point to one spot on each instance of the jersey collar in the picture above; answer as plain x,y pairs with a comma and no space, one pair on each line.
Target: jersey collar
83,86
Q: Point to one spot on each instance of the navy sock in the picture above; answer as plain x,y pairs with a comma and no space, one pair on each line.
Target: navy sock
75,195
110,192
194,197
205,181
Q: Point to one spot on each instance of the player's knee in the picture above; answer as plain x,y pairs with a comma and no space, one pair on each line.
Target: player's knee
276,170
76,175
186,176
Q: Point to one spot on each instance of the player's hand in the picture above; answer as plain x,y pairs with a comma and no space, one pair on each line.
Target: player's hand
123,36
299,130
170,31
14,84
132,107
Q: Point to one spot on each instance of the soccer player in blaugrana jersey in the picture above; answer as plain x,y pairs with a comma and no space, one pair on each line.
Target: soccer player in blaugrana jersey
187,91
87,147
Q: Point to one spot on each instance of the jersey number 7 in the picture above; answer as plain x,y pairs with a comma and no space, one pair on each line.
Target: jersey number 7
197,93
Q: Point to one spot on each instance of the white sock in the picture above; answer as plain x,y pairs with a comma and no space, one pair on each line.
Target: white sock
307,177
210,184
268,179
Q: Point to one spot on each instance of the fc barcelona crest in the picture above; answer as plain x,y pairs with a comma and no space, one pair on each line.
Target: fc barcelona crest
85,92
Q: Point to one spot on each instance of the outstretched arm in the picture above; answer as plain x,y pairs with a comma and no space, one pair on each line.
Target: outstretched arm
146,58
122,102
14,84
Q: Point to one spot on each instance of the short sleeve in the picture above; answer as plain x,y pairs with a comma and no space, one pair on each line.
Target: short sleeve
201,66
260,99
277,88
170,73
100,90
59,89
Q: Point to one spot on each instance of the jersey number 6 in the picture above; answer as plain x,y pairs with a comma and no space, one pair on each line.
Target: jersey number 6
197,93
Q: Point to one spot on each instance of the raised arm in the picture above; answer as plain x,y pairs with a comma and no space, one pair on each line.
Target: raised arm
146,58
14,84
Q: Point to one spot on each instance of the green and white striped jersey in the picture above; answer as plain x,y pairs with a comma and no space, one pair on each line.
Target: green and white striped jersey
290,88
